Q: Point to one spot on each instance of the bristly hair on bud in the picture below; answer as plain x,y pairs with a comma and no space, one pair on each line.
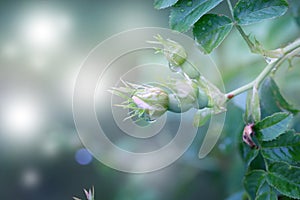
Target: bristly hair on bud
174,52
176,56
144,102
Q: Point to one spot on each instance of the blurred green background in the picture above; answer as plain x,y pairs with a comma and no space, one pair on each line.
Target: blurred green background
42,45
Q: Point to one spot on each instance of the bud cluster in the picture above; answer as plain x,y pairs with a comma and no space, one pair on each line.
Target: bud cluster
150,101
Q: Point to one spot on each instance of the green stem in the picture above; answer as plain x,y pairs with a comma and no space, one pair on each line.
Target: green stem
230,7
288,52
250,44
255,47
246,38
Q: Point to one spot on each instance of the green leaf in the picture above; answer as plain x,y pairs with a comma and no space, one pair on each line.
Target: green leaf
211,30
271,120
160,4
285,148
252,113
266,192
248,154
295,6
285,178
272,126
184,14
252,11
253,182
271,100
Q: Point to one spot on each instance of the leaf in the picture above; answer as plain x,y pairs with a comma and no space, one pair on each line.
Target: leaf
184,14
248,154
271,100
285,178
266,192
271,120
211,30
252,11
272,126
252,113
253,182
295,6
285,148
161,4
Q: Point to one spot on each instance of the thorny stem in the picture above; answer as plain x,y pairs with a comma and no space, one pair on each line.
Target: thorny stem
254,47
288,52
280,55
241,31
257,48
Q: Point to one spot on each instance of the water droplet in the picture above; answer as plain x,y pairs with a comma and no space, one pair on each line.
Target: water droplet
209,22
181,10
270,60
189,3
174,68
203,28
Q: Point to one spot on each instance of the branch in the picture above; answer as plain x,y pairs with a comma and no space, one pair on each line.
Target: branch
288,52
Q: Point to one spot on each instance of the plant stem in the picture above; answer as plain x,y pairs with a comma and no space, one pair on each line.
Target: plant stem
246,38
250,44
289,51
255,47
230,7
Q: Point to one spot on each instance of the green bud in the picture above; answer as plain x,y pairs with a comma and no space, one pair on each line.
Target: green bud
202,98
188,69
145,102
183,95
153,102
177,57
149,102
173,51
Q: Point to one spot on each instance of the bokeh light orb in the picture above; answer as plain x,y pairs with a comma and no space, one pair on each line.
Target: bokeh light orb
83,156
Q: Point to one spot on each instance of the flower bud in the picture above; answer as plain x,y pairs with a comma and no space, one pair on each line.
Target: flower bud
152,101
177,57
145,102
202,99
173,51
183,95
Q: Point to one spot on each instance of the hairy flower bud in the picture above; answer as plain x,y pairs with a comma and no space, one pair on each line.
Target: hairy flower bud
176,56
153,101
185,95
143,101
174,52
148,102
